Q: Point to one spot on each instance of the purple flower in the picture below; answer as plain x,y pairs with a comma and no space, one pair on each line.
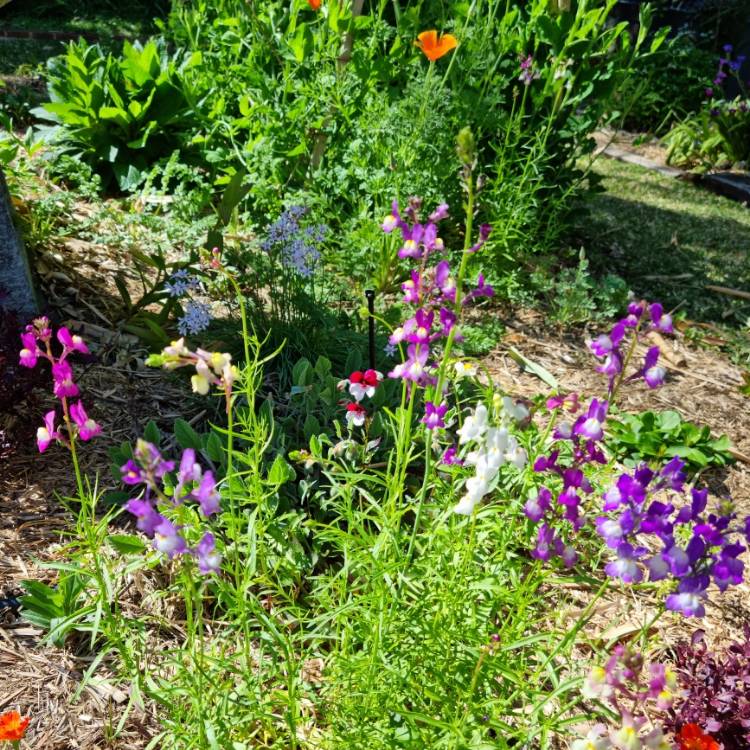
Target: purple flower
625,567
484,233
207,495
659,319
591,425
545,543
440,213
433,417
482,290
605,344
148,518
209,560
132,473
728,570
653,374
71,342
614,530
87,427
673,475
30,351
167,539
536,507
45,435
688,599
449,457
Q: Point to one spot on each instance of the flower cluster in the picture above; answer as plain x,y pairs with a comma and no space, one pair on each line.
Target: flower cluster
616,348
211,368
360,385
728,65
197,315
696,547
559,512
629,689
150,470
37,344
296,246
430,289
492,447
528,74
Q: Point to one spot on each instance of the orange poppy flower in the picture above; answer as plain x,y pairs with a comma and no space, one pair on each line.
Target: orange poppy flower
433,47
12,726
692,737
314,4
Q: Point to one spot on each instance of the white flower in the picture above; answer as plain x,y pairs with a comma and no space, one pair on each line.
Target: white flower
515,454
594,740
497,445
465,370
655,740
465,506
627,738
474,426
514,410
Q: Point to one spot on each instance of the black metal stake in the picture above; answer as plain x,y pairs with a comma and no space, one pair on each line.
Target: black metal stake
370,294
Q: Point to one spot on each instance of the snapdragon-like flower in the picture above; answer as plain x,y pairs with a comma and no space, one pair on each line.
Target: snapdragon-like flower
493,448
194,485
616,348
355,415
433,417
362,384
695,547
211,368
36,344
631,692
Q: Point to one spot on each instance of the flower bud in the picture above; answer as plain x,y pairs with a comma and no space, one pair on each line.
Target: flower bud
466,146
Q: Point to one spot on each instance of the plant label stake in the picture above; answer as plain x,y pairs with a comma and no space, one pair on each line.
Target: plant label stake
370,294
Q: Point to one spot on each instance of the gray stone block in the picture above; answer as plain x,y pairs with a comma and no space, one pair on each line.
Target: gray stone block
16,286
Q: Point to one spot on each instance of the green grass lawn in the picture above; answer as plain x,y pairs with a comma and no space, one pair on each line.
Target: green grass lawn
669,239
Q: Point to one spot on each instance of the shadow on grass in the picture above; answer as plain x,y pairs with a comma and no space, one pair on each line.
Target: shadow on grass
671,240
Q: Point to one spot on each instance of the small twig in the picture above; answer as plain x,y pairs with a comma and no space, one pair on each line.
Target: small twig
729,292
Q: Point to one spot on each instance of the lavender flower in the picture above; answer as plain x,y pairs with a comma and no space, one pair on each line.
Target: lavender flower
196,319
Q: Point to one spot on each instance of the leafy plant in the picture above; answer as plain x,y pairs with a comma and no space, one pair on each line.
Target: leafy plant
121,114
715,687
655,436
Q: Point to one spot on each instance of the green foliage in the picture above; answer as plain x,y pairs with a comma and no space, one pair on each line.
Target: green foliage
655,436
121,115
667,86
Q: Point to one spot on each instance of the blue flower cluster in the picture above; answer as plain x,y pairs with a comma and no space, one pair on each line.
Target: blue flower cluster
297,246
197,315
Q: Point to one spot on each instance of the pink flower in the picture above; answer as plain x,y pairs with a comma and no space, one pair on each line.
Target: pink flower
87,427
45,435
71,342
28,355
148,518
64,386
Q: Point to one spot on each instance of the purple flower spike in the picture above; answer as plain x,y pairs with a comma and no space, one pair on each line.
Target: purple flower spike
209,560
433,417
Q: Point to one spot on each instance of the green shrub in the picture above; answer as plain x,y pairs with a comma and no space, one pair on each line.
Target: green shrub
121,115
